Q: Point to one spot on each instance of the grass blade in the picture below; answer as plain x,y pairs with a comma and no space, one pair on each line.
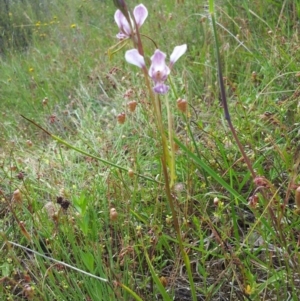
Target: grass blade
210,171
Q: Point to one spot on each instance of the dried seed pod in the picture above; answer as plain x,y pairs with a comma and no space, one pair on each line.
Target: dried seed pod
182,105
28,292
132,105
45,101
21,175
17,196
216,201
261,182
253,76
29,143
113,214
121,118
23,230
163,280
253,201
131,173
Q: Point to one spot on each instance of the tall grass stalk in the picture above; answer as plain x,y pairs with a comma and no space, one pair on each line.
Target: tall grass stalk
223,92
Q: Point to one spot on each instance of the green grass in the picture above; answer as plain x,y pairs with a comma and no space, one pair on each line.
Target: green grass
240,235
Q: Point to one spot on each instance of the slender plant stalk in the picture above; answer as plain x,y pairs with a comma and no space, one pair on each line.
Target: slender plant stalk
172,146
177,228
275,220
223,92
56,261
86,153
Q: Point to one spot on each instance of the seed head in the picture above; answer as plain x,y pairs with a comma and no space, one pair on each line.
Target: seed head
17,196
121,118
29,292
216,201
113,214
132,105
45,101
29,143
253,201
163,280
131,173
182,105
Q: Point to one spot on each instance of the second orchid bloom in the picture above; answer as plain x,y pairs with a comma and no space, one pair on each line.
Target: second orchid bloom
158,70
127,30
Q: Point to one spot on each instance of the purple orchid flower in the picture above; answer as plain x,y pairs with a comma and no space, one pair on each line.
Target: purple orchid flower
127,30
158,71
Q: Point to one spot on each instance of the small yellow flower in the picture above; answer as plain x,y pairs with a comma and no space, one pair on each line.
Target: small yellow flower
38,24
248,290
169,219
31,69
10,14
138,229
73,26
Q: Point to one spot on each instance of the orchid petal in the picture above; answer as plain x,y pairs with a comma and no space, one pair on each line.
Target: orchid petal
122,23
177,53
140,13
133,57
161,89
159,71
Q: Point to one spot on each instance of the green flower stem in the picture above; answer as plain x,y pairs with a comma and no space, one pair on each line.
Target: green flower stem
167,158
172,166
166,161
177,229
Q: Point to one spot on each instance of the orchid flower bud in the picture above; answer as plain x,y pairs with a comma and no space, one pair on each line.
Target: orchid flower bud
120,4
